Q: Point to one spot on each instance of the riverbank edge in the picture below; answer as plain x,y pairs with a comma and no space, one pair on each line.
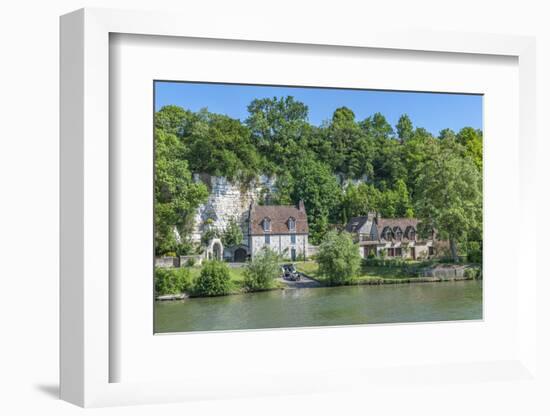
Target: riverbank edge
183,296
373,282
389,281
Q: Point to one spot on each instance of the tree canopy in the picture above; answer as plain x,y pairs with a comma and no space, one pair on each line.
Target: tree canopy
343,168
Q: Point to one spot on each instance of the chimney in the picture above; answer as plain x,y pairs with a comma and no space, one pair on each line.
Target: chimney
301,205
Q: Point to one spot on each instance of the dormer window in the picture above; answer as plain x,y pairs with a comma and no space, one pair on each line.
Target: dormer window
398,233
292,224
386,234
267,224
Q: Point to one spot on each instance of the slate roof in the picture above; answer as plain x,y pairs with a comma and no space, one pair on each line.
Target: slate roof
355,224
279,216
393,223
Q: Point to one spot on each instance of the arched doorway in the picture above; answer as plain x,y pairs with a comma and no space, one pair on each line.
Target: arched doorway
240,255
217,251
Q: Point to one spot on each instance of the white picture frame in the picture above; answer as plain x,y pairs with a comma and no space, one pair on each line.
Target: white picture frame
86,353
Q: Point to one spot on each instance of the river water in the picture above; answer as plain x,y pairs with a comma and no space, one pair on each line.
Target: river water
345,305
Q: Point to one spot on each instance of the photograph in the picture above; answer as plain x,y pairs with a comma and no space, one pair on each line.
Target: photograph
301,206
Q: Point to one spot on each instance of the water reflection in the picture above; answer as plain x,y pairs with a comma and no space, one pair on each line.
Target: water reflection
324,306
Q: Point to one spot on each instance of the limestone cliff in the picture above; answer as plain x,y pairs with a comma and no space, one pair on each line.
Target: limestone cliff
228,200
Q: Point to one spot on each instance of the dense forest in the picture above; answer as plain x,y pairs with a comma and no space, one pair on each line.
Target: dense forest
343,168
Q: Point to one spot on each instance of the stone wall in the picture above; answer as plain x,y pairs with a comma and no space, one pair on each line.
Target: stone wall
281,244
228,200
167,261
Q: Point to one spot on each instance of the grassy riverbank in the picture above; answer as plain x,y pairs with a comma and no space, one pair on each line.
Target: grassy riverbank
375,275
236,283
235,273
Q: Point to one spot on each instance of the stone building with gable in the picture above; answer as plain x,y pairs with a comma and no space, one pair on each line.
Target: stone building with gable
282,228
395,237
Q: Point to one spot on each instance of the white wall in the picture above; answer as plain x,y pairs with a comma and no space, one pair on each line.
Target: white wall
29,220
281,244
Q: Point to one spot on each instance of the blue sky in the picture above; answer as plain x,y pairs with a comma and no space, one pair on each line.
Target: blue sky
433,111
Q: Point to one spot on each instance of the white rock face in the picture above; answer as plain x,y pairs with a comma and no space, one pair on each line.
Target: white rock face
228,200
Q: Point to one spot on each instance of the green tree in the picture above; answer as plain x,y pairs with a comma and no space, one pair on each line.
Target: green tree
233,234
222,146
174,120
447,134
314,183
350,148
177,196
403,203
261,273
472,140
387,165
172,281
214,279
339,259
279,129
449,197
404,128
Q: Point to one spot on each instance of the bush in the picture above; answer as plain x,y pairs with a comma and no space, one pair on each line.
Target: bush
474,250
339,259
172,281
388,262
473,273
261,272
190,262
214,279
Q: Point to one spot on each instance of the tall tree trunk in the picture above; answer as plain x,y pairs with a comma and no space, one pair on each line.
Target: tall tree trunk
454,253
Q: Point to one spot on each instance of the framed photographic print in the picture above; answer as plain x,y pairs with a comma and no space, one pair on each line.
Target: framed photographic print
243,211
286,207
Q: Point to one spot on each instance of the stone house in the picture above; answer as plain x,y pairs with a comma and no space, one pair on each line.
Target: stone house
395,237
282,228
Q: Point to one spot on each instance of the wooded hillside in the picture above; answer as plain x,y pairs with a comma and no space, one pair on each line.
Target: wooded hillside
341,169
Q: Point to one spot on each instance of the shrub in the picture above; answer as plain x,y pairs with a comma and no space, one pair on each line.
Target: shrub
473,272
232,235
261,272
388,262
339,259
172,281
214,279
474,250
190,262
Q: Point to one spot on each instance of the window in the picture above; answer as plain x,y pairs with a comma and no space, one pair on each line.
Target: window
431,251
292,238
267,224
398,252
398,233
292,224
391,252
386,234
267,239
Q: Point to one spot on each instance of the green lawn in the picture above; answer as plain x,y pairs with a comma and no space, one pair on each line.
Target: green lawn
236,274
368,274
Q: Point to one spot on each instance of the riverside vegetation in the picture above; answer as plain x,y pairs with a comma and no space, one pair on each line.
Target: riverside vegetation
341,169
216,278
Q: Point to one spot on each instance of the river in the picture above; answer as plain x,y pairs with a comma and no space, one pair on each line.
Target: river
345,305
